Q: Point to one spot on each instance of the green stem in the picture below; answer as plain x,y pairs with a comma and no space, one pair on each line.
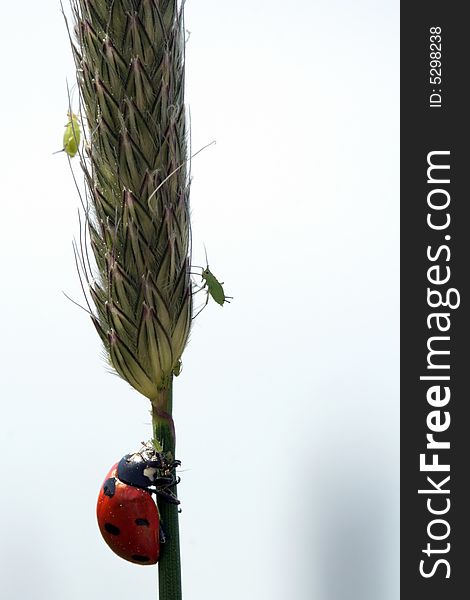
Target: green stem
169,565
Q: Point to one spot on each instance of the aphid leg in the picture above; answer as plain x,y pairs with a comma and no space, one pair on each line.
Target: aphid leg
200,310
198,290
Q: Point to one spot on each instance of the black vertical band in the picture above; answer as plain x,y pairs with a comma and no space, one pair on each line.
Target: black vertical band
435,301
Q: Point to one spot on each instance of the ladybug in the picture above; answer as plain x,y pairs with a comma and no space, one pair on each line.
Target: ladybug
128,516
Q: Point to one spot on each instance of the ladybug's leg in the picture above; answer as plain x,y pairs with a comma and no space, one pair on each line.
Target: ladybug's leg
154,464
166,482
162,463
166,495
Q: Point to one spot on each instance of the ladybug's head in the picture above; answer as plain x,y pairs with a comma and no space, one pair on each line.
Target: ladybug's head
142,469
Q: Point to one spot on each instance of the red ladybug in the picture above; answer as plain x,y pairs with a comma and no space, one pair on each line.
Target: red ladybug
127,514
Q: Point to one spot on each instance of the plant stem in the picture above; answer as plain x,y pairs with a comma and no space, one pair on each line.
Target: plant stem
169,565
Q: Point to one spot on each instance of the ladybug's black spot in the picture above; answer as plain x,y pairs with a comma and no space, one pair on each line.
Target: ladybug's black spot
140,558
112,529
109,487
142,522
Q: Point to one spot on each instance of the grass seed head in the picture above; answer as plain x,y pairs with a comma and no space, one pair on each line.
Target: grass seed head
129,56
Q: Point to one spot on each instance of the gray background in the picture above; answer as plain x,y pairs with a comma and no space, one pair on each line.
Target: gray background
287,407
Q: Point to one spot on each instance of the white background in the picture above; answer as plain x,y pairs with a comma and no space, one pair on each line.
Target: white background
287,407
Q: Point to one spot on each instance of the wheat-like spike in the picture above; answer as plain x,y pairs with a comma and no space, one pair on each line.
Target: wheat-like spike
129,56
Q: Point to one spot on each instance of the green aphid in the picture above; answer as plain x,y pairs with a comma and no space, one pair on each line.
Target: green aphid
71,141
214,287
178,368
